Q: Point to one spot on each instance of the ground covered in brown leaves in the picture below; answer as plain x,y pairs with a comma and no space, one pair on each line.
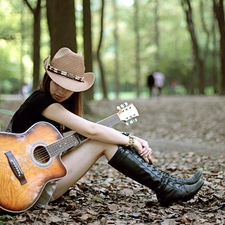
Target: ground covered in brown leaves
185,133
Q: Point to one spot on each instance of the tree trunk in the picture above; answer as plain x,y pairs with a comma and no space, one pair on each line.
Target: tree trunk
22,32
214,66
219,12
116,39
36,41
104,89
137,47
196,52
156,31
87,37
61,23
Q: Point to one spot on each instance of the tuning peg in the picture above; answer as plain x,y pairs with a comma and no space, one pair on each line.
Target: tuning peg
130,122
118,107
122,106
125,104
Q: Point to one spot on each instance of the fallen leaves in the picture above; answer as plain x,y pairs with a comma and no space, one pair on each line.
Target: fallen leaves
119,200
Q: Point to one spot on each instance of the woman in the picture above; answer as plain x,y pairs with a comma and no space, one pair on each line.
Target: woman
58,101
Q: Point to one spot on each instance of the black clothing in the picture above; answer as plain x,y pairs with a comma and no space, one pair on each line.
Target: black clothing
30,112
150,80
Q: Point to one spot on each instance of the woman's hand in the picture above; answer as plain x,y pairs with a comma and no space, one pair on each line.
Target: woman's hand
143,149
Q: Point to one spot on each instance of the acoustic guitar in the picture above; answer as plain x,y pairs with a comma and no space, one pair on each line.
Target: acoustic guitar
29,160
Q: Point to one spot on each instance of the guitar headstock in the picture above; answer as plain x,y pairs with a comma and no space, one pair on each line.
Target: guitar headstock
127,113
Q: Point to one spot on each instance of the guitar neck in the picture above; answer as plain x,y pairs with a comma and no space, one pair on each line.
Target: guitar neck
75,139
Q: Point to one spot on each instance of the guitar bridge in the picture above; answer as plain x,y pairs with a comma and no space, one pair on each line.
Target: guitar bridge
16,167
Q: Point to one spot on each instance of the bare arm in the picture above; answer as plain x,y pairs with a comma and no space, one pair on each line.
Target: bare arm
58,113
91,130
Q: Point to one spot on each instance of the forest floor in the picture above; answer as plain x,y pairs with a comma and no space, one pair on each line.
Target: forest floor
186,134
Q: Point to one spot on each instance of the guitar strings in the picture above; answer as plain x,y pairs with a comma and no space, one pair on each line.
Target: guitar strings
43,154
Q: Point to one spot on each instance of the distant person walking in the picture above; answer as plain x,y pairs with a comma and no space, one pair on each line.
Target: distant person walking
150,83
159,82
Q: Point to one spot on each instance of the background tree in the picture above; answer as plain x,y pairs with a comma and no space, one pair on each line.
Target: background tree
198,60
214,55
116,47
208,32
156,31
36,11
219,12
61,24
99,58
137,47
87,44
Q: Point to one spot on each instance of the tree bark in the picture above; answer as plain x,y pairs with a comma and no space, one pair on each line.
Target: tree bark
87,37
104,88
219,12
61,23
36,41
196,52
116,39
156,31
215,75
137,47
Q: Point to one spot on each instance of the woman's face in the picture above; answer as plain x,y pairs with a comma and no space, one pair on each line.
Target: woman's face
59,93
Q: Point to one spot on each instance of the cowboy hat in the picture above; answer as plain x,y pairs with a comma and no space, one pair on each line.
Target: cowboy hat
67,70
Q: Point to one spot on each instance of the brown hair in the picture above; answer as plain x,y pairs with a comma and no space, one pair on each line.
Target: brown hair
73,104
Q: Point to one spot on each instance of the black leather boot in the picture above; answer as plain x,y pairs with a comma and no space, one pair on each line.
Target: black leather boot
167,189
192,180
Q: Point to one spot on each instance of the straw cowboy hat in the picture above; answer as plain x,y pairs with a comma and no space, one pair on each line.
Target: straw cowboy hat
67,70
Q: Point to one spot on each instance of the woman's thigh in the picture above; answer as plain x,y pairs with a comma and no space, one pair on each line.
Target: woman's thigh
79,160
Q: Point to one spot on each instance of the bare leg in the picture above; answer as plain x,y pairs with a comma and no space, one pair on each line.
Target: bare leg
79,160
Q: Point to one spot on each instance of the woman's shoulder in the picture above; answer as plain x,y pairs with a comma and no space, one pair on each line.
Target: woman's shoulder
38,99
37,94
40,95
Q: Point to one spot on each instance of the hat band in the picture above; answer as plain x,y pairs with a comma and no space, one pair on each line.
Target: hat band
66,74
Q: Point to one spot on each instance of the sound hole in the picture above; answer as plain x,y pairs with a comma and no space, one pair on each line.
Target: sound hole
41,155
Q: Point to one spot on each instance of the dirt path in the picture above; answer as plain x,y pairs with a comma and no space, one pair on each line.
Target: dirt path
164,145
176,123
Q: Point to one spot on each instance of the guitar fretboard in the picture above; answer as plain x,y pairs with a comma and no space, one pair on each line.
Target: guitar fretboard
75,139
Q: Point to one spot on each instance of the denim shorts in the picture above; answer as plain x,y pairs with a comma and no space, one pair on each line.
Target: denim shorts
46,195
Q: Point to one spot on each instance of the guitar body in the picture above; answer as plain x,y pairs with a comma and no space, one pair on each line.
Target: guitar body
25,166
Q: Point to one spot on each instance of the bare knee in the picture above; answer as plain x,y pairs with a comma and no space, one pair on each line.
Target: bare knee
104,148
110,151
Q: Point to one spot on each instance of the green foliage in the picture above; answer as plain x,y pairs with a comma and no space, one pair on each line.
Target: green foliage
7,112
4,218
7,65
12,45
98,199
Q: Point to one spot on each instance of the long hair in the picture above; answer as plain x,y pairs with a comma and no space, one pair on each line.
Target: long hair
73,103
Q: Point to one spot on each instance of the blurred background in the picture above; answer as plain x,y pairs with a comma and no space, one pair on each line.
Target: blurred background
122,41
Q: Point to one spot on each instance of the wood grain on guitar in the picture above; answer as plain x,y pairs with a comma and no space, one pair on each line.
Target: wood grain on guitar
28,161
